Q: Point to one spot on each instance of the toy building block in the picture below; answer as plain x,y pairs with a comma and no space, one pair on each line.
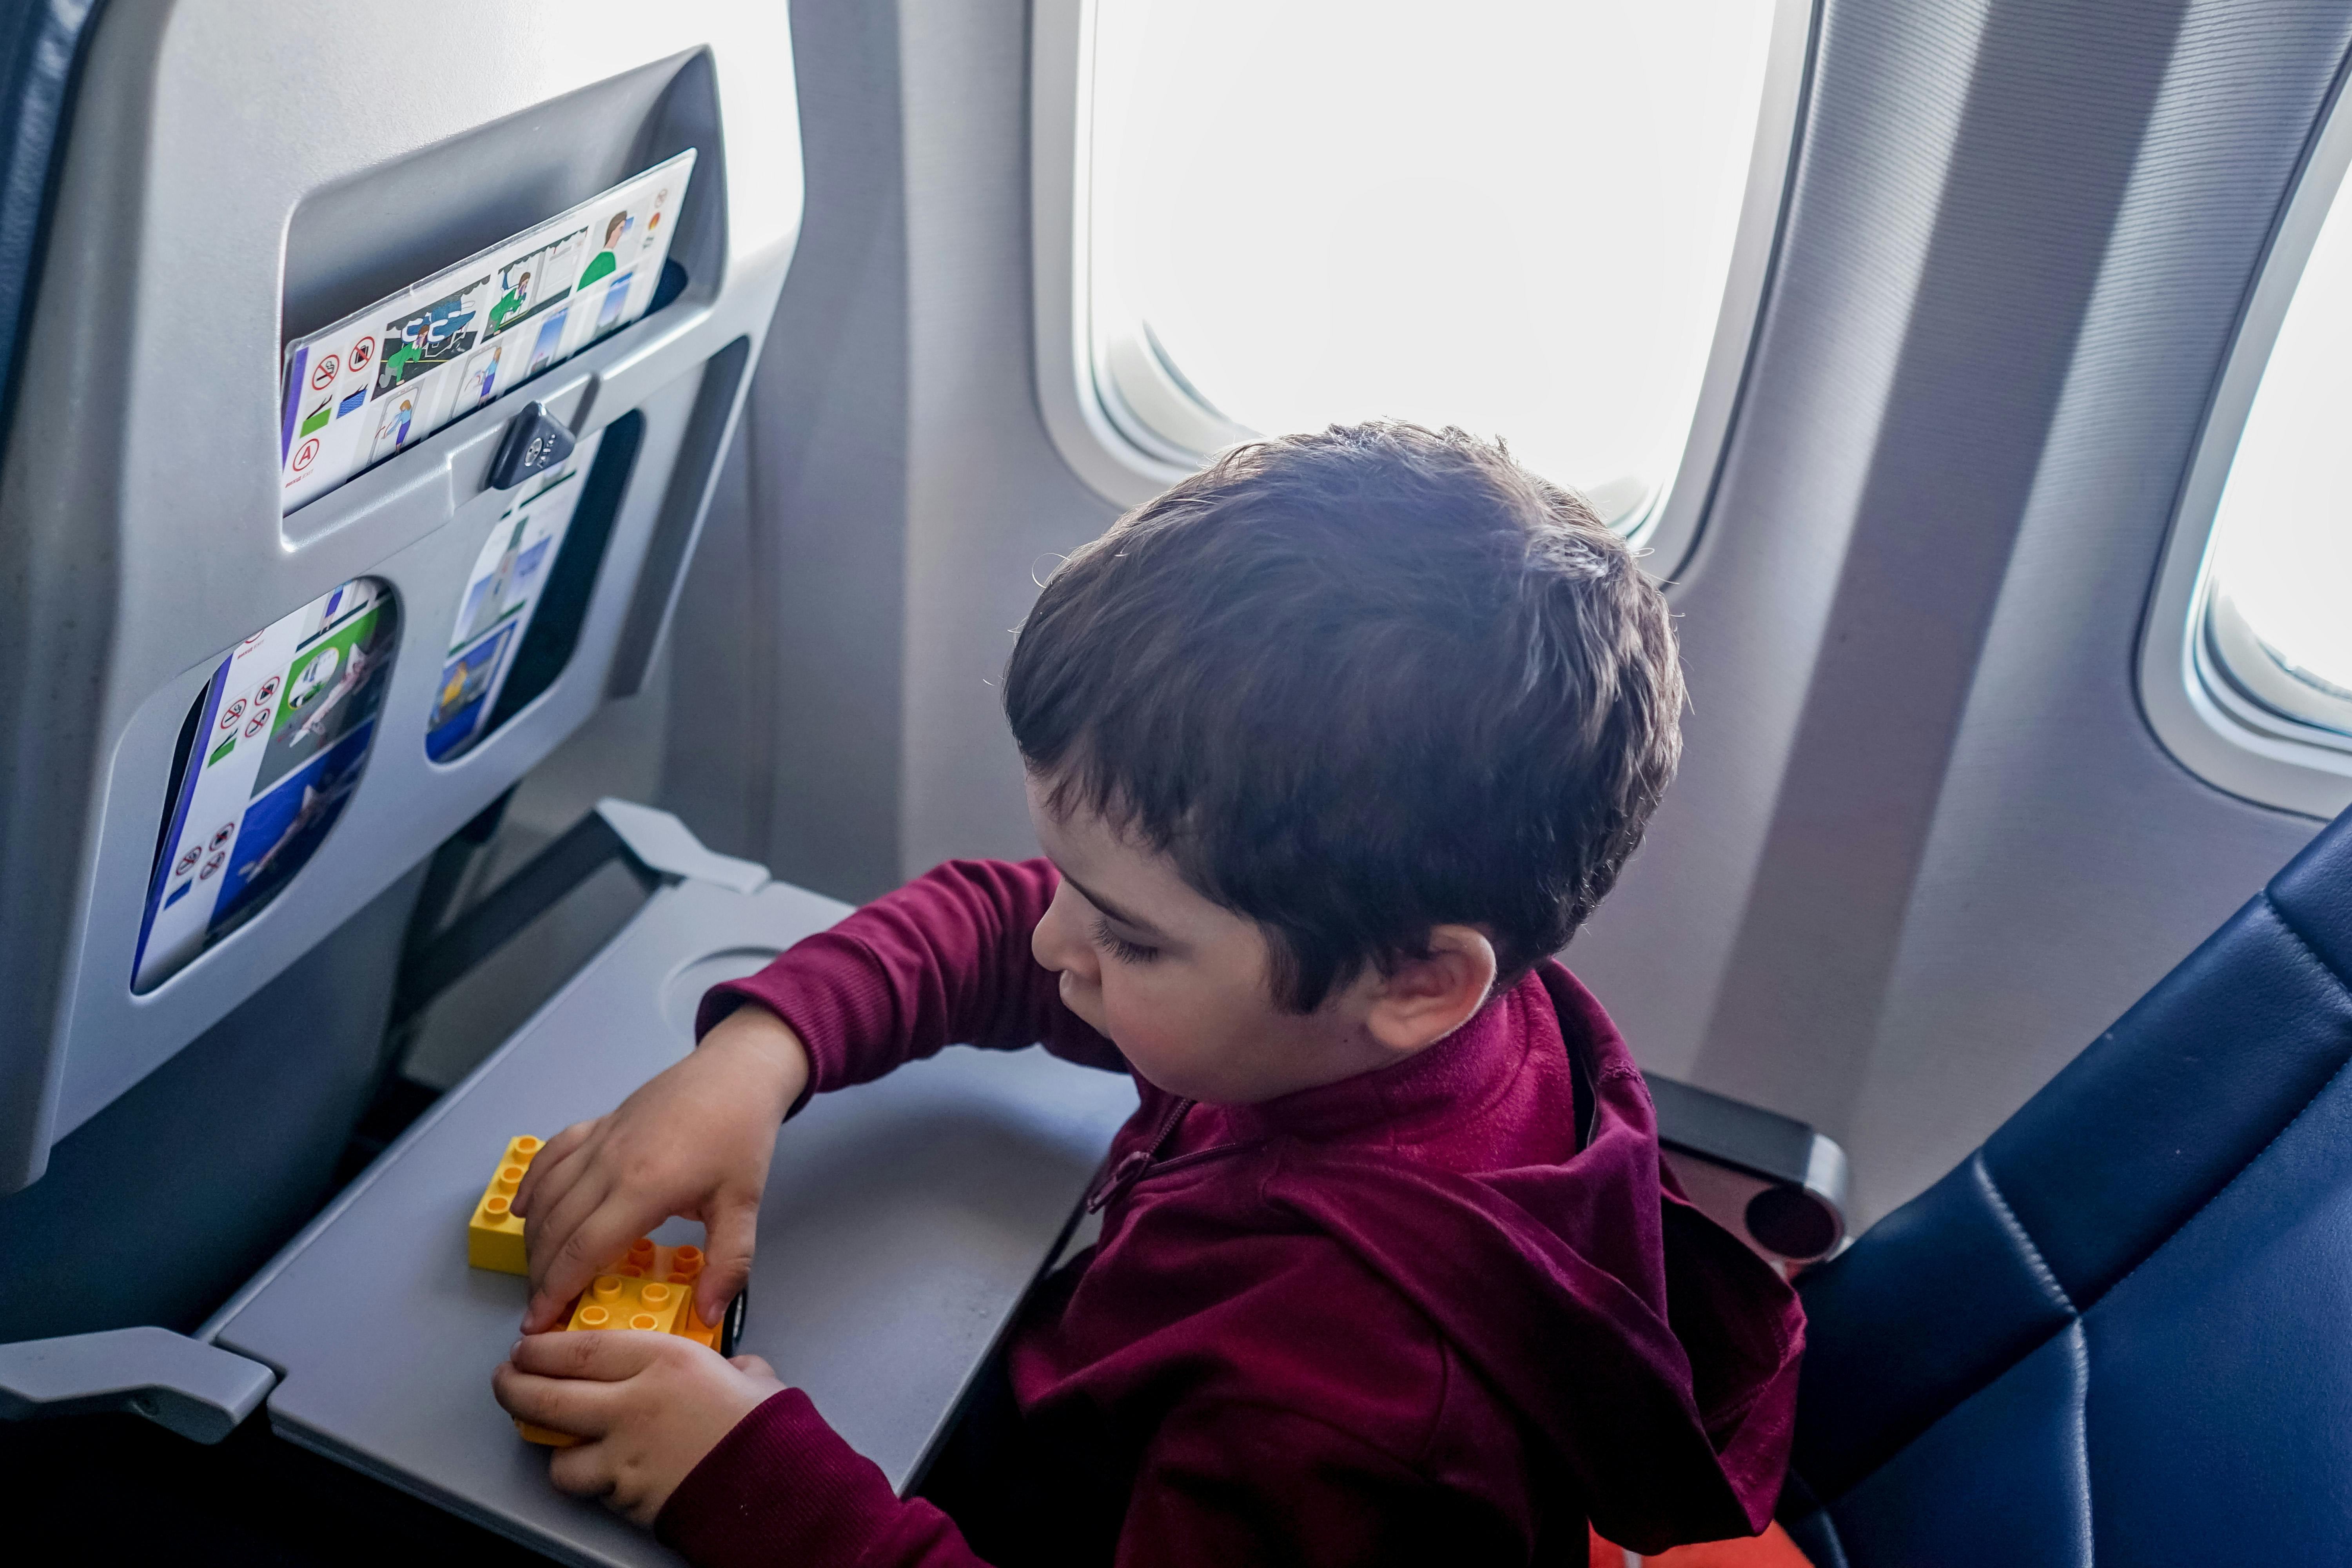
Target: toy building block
679,1266
651,1288
493,1236
612,1303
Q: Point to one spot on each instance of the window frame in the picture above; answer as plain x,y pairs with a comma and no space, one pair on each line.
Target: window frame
2217,703
1125,457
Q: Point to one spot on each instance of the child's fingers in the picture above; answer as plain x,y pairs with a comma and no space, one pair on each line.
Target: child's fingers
582,1470
604,1355
732,1229
545,1175
582,1407
589,1247
551,1239
753,1364
580,1234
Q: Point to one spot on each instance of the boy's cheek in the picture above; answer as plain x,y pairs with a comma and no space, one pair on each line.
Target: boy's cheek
1146,1042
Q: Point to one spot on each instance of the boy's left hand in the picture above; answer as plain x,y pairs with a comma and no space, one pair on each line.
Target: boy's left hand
646,1408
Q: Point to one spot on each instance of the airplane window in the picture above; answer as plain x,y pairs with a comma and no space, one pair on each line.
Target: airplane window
2282,535
1515,216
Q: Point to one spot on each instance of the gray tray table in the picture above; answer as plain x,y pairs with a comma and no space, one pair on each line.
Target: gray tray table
904,1220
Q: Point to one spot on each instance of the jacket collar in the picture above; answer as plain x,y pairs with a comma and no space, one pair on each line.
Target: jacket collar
1457,1078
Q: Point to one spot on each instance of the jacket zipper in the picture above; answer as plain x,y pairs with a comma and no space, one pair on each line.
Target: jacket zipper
1135,1162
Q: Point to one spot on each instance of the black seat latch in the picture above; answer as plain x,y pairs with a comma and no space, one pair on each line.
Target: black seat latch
535,442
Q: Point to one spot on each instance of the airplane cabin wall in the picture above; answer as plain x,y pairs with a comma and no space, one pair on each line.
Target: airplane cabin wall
1925,845
895,488
784,742
989,503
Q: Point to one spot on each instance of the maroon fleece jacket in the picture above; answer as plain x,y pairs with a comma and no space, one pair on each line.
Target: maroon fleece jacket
1445,1311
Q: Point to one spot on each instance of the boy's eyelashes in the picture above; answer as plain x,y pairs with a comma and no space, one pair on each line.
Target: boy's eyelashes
1118,947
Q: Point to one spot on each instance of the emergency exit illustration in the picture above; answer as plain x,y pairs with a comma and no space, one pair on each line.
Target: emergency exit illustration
393,373
276,747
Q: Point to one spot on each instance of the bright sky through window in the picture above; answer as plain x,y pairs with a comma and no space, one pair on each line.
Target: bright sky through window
1515,216
2284,533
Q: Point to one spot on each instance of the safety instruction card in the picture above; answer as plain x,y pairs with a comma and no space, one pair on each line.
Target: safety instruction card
496,608
386,377
280,737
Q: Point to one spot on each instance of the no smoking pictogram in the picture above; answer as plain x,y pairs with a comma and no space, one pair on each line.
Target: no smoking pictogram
324,376
188,861
232,713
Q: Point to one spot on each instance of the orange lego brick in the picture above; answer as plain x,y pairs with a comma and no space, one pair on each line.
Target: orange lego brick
493,1236
680,1265
617,1301
693,1328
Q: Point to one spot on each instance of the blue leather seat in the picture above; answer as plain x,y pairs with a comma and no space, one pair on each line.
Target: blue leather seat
2119,1332
40,46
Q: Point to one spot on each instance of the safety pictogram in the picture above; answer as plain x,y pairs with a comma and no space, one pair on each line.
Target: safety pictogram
363,352
266,692
213,865
257,723
306,454
322,375
223,834
188,861
232,713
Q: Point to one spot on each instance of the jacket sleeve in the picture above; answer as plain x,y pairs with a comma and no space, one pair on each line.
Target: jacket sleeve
1222,1486
784,1488
943,960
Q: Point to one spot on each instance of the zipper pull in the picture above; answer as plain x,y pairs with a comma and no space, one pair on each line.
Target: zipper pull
1121,1176
1137,1161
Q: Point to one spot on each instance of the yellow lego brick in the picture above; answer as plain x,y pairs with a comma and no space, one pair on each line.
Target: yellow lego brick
680,1265
652,1289
493,1236
615,1302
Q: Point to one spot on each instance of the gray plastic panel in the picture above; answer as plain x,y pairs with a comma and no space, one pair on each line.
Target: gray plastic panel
903,1221
141,477
404,805
197,1390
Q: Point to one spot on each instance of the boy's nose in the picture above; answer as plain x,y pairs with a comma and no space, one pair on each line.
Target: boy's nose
1057,945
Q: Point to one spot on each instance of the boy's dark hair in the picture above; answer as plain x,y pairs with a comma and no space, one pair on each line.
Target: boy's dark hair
1357,685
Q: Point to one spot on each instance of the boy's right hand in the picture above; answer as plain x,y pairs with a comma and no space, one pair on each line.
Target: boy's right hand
694,1141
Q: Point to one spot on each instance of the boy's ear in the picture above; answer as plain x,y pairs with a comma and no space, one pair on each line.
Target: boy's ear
1427,998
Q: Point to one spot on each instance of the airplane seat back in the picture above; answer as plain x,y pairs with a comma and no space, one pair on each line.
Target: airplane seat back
195,200
2116,1333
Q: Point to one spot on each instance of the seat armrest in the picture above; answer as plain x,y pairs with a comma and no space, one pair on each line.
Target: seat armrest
1767,1177
197,1390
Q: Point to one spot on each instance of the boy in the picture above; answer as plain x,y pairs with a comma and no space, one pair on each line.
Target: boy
1328,747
